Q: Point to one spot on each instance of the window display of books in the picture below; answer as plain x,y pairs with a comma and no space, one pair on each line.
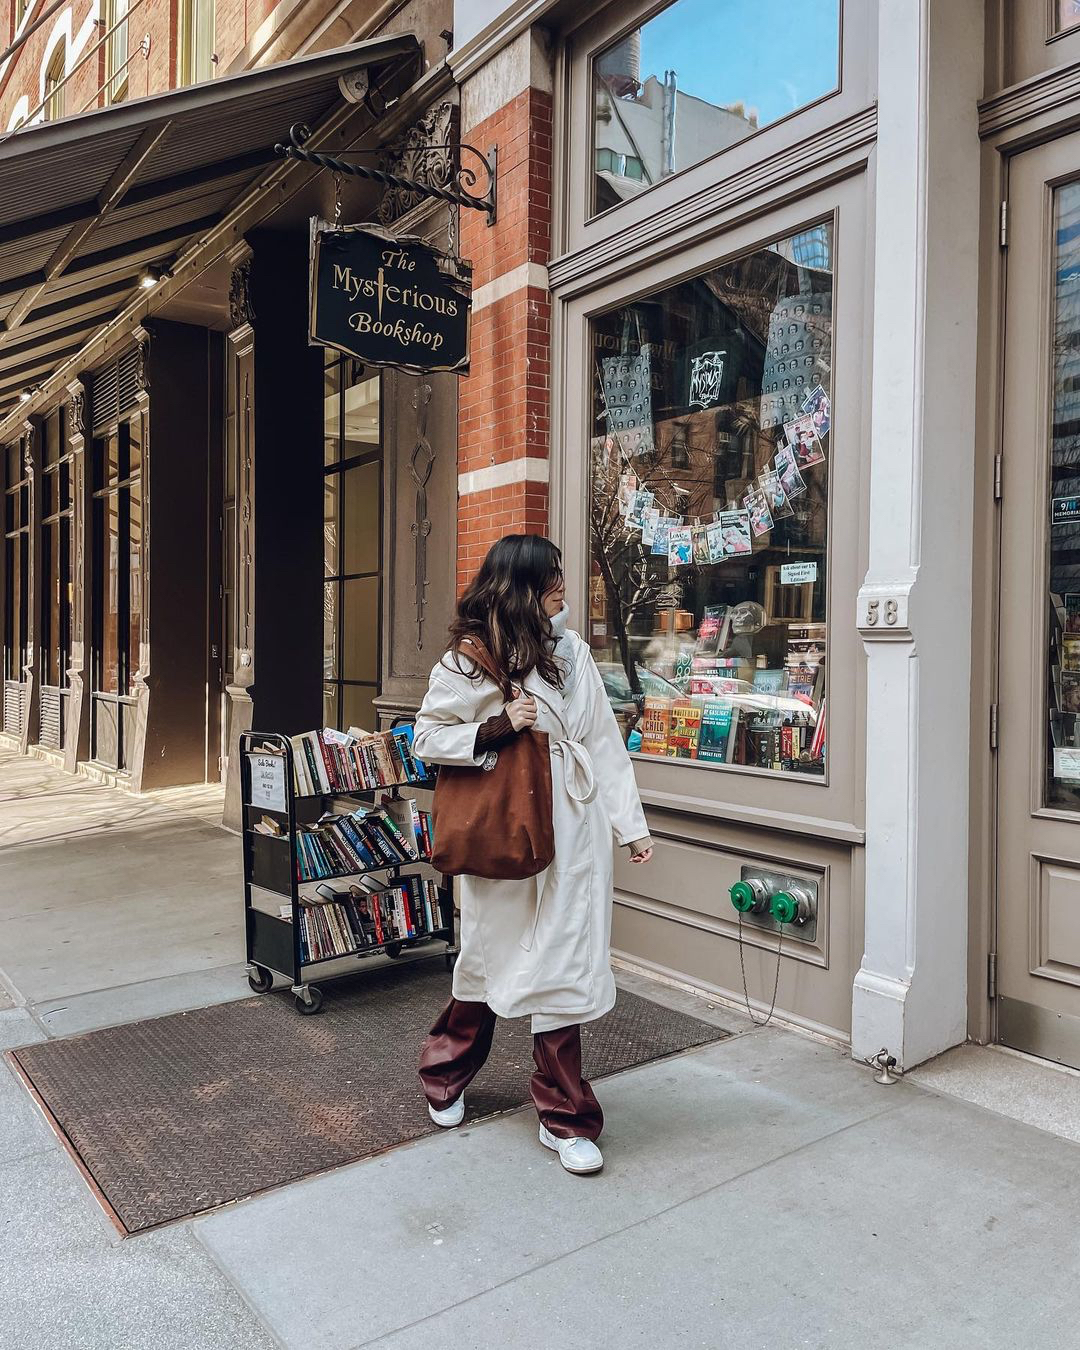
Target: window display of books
354,761
358,919
709,508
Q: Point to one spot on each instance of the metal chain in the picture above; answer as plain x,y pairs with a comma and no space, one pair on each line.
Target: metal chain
451,231
337,199
776,982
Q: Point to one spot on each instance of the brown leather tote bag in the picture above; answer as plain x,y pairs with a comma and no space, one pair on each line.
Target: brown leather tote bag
496,822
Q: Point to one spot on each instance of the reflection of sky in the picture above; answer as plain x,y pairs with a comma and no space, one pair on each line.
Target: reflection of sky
774,55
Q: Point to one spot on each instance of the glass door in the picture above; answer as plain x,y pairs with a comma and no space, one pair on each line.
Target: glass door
16,586
1038,910
57,579
117,588
352,523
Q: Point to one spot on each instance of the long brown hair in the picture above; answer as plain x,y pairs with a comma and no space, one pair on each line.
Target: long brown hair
503,608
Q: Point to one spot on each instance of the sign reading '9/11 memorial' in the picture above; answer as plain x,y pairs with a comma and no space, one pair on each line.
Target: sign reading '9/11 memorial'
389,301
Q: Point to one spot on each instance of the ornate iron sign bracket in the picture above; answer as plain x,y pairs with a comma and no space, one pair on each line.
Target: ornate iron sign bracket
463,177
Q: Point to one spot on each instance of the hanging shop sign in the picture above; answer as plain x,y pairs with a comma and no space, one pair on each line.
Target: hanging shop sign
389,300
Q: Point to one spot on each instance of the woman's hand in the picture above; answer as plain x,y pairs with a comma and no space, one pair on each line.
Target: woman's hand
522,712
643,856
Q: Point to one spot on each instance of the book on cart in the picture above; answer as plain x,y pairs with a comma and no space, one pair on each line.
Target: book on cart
327,761
344,843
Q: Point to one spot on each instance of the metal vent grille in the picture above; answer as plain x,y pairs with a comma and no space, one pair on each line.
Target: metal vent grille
115,390
49,719
14,691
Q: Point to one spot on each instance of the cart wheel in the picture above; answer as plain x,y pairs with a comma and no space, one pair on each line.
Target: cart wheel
309,1009
261,979
393,949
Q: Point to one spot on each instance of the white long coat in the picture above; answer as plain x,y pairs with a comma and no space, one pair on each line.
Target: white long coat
541,946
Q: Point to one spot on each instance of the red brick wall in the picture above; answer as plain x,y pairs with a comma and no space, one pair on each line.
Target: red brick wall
503,404
235,22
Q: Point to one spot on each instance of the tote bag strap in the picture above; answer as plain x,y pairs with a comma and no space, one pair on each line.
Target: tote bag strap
486,662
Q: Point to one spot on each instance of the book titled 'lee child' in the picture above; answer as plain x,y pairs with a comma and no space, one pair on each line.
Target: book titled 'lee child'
685,728
655,723
715,730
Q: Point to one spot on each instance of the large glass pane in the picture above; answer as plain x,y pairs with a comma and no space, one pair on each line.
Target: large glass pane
358,707
54,601
109,580
709,506
331,487
1066,15
1063,490
361,522
361,432
135,588
360,629
330,612
133,435
700,76
331,407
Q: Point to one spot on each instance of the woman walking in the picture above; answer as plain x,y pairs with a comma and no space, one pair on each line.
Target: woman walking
538,946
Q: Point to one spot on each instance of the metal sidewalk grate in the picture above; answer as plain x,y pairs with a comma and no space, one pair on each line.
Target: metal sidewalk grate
179,1114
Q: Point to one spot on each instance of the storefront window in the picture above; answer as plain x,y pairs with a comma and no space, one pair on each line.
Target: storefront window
1063,506
16,562
1066,15
700,76
709,510
56,530
351,543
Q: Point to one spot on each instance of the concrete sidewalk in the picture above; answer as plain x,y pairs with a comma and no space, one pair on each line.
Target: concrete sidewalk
760,1192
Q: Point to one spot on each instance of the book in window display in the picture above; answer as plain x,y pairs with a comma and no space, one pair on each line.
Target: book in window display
729,484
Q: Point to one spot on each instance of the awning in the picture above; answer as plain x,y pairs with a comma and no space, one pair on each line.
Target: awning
89,202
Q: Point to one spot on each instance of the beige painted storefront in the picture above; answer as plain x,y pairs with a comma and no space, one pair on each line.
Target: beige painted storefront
765,274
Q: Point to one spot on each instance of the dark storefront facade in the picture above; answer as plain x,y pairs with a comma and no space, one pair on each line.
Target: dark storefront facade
211,524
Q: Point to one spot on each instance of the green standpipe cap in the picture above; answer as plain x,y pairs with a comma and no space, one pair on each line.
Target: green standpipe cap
742,896
784,907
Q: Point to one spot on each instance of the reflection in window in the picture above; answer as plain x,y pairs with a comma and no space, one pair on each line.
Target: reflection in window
116,49
54,84
351,543
1063,667
16,563
195,38
1067,15
700,76
709,505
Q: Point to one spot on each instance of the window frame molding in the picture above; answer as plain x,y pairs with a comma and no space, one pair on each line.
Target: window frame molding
579,229
837,795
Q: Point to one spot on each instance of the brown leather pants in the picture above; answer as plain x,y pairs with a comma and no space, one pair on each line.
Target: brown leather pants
459,1043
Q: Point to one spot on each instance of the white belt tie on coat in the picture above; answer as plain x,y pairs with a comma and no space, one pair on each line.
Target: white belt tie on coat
579,780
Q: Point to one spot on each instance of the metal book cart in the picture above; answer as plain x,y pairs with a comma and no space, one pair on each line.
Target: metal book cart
274,944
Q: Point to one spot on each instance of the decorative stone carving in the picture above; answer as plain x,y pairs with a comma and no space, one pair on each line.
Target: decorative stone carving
241,310
421,463
142,356
425,153
76,411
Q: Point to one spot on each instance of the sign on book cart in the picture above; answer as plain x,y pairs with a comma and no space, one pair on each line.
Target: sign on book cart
266,778
388,300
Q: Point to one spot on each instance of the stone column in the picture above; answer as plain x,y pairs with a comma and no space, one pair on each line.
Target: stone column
914,609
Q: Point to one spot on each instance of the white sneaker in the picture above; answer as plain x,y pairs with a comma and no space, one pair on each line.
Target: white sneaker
576,1155
453,1115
